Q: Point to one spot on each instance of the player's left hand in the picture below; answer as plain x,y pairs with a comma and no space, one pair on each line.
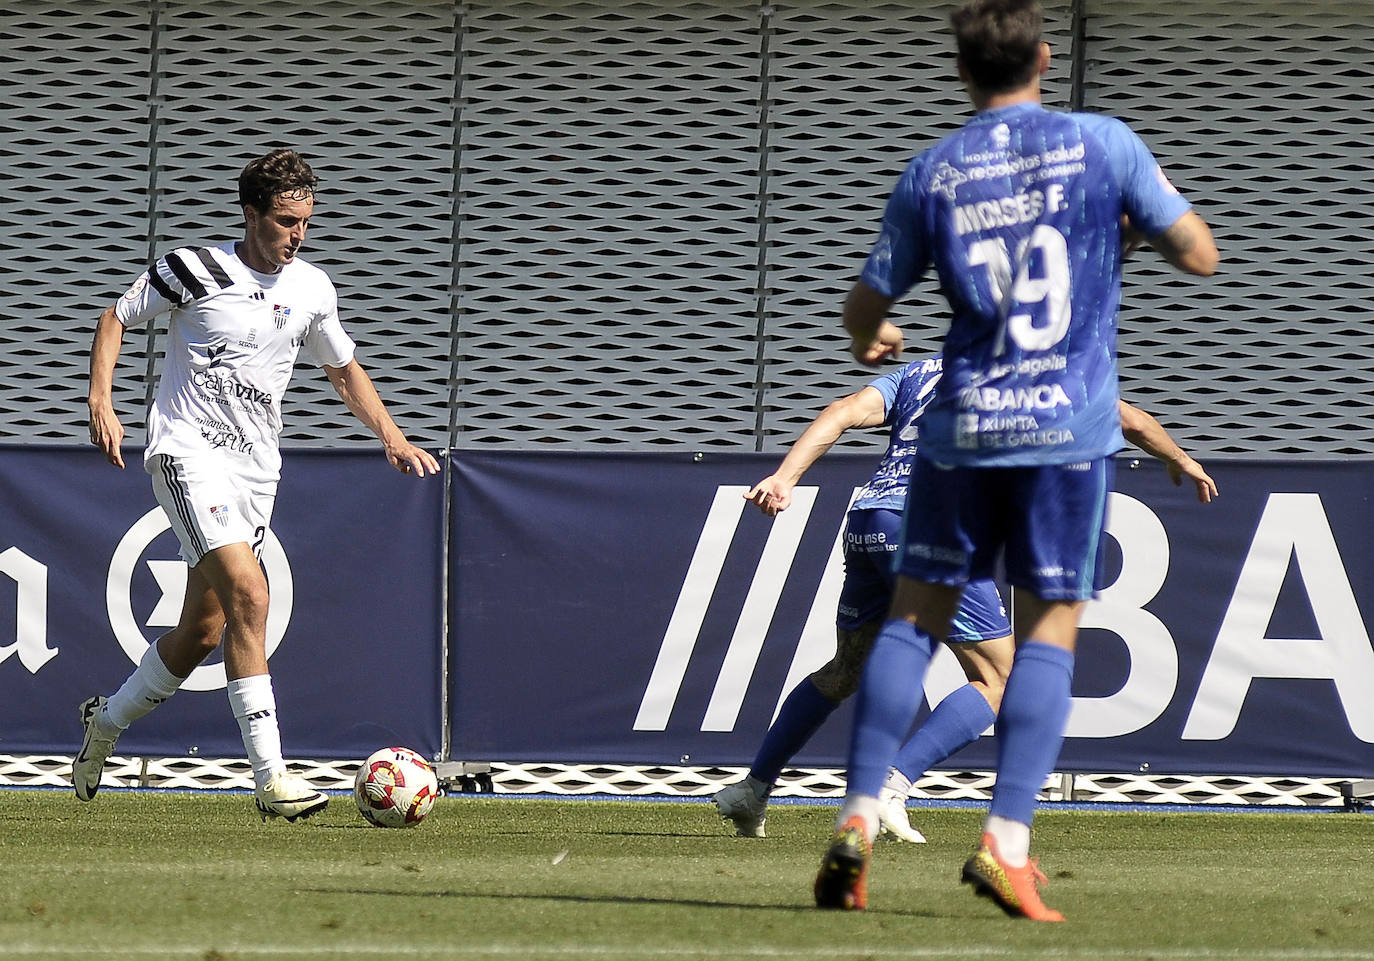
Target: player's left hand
409,459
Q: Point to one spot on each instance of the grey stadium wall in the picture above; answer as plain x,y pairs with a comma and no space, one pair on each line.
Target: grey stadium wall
584,224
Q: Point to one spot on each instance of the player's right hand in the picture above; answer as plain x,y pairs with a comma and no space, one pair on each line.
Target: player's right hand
1187,467
770,496
886,342
107,433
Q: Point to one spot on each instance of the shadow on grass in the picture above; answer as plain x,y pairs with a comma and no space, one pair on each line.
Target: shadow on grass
610,899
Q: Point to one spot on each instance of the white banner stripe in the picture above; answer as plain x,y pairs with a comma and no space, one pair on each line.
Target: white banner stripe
759,607
680,639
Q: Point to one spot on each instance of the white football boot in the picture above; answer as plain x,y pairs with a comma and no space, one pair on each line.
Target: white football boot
288,796
96,748
892,818
738,803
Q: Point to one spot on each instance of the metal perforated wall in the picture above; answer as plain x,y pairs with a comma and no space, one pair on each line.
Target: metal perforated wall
1259,110
856,90
73,227
609,209
585,224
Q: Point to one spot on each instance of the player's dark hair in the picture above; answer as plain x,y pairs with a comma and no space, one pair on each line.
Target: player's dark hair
999,42
280,171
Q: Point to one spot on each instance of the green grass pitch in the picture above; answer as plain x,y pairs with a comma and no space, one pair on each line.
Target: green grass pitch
196,875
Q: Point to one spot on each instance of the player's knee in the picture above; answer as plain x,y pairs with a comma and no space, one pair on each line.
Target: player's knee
196,640
247,604
992,692
205,644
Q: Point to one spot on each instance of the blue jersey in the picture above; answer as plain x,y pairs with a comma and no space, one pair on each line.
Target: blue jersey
906,392
1019,212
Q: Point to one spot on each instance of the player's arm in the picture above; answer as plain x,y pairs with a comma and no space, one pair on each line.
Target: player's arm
105,429
873,336
867,408
1188,245
1142,430
357,391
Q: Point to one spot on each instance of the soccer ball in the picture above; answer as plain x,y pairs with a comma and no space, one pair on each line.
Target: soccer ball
395,788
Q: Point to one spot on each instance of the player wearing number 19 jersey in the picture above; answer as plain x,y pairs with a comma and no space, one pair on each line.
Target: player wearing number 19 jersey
1021,213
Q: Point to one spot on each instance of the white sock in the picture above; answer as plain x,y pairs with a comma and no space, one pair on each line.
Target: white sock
899,782
255,708
863,805
1012,837
148,686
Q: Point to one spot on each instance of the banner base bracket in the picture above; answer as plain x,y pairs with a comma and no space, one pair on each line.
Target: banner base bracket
1358,795
464,777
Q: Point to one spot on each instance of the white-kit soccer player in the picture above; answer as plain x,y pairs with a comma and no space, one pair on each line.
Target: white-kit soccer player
1021,214
980,635
238,315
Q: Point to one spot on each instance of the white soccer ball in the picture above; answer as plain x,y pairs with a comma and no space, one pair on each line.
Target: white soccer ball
395,788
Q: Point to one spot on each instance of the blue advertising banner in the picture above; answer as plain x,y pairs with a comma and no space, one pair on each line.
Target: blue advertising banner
631,608
89,575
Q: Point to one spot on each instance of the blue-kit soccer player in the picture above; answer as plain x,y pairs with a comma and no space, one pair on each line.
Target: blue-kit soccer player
1022,213
980,636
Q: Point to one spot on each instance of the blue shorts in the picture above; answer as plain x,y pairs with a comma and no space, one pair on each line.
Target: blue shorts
1045,520
871,539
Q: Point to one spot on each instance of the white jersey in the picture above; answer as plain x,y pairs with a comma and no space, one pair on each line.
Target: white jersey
232,342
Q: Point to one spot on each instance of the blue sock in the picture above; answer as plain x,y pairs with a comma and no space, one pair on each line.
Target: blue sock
1030,727
956,721
800,716
890,696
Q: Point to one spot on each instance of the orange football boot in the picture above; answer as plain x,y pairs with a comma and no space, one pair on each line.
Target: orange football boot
843,879
1016,890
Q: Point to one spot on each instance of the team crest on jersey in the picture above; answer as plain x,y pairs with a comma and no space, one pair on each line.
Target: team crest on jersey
280,315
220,512
947,178
133,292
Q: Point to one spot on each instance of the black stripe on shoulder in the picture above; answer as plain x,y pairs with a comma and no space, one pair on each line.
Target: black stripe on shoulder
219,274
188,279
160,285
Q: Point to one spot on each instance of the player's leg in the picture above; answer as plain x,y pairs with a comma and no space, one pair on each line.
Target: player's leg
924,601
1030,730
890,696
236,576
1035,709
160,672
803,712
170,660
869,536
932,567
220,512
980,639
1051,558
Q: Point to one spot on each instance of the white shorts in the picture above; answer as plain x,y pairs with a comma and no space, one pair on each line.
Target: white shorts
209,504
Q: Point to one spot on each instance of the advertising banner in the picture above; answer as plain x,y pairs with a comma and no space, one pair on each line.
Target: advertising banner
90,575
623,608
633,608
